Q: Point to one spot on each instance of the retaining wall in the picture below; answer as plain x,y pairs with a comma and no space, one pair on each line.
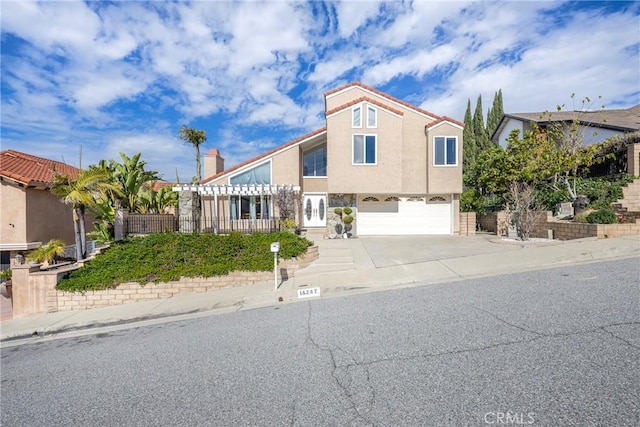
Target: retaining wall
34,291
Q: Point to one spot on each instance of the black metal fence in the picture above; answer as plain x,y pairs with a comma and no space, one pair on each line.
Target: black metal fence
148,224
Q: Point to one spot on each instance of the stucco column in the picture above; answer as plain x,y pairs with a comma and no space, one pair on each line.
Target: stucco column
120,221
29,297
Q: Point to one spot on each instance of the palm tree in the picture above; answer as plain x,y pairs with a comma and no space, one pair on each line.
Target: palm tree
80,192
47,253
131,178
195,138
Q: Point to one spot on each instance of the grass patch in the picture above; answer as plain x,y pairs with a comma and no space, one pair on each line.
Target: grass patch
169,256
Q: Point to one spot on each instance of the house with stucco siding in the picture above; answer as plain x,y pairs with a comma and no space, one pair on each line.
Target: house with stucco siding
29,214
398,166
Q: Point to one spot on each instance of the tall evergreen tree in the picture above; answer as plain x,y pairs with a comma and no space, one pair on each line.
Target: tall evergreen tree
470,150
479,130
495,114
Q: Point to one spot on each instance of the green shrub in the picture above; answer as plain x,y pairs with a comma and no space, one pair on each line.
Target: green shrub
602,191
581,217
602,216
169,256
347,219
338,211
347,210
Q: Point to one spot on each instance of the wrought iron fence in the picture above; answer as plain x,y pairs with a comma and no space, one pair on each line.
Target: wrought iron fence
148,224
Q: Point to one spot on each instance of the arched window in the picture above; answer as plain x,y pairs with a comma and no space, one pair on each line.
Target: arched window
392,199
370,199
437,199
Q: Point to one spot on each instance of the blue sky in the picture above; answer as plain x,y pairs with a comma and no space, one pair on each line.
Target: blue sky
123,76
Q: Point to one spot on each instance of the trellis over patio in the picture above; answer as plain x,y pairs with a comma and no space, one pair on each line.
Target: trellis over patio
250,207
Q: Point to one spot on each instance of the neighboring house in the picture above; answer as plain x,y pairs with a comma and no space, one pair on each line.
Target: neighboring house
595,126
398,166
29,214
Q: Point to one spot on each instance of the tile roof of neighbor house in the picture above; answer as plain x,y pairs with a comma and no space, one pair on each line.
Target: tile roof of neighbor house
384,95
626,120
32,170
263,155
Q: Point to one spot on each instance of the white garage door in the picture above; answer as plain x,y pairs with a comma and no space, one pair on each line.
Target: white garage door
391,215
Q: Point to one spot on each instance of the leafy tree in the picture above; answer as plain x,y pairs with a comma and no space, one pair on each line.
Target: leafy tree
80,192
468,136
196,138
160,201
573,155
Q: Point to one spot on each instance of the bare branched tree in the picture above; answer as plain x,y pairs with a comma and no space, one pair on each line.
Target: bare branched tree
522,209
287,200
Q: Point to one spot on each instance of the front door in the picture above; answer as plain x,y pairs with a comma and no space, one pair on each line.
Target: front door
314,210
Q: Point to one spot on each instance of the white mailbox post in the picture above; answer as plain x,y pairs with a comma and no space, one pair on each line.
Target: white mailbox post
275,247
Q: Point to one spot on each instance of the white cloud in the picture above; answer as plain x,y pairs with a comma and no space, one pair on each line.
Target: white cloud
260,68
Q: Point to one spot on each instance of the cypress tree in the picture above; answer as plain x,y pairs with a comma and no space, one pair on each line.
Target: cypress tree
479,130
495,114
469,140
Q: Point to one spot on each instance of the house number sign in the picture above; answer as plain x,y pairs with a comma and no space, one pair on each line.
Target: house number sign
306,293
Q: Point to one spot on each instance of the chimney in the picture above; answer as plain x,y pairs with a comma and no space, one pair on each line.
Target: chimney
213,163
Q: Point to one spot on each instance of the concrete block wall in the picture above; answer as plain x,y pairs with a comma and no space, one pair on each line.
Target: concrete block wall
630,201
494,222
467,223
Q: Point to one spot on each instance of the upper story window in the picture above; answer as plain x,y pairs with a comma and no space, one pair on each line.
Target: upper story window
259,175
314,162
364,149
372,117
356,121
445,149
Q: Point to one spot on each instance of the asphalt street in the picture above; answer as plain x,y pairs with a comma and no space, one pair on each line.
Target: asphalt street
552,347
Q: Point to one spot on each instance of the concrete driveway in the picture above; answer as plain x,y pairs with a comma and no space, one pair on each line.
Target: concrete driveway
386,251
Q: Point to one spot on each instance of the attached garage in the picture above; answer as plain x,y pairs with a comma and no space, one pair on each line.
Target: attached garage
402,215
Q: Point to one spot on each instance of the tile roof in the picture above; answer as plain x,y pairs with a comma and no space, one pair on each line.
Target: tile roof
385,95
32,170
263,155
363,99
444,119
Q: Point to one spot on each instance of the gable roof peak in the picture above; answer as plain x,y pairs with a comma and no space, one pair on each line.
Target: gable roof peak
381,94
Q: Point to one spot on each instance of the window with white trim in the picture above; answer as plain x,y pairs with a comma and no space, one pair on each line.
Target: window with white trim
249,207
445,151
314,162
372,117
364,149
356,120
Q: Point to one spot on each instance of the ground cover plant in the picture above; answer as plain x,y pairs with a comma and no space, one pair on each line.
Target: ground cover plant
169,256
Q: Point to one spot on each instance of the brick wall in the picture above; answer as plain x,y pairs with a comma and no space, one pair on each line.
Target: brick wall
467,223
